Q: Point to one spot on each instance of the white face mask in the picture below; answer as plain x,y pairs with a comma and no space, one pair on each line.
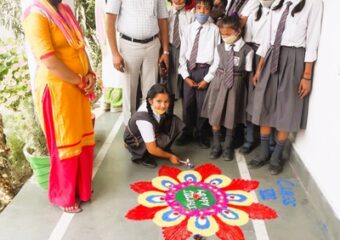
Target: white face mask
266,3
178,7
230,39
158,111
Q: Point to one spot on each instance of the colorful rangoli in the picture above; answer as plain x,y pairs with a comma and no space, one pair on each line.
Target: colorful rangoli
200,201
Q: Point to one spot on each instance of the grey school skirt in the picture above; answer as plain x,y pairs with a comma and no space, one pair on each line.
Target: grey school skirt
250,86
276,100
223,106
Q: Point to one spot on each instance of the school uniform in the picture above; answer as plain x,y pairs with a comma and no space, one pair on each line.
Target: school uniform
141,130
255,32
276,100
241,7
225,101
175,82
208,39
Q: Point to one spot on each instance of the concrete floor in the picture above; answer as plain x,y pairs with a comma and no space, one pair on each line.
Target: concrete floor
30,216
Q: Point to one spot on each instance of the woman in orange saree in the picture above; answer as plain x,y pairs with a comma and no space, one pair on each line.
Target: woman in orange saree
63,81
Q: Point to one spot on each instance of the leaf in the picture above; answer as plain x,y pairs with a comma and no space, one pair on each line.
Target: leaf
142,213
141,187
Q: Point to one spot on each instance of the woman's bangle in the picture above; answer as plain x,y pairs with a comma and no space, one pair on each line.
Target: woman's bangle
166,52
308,79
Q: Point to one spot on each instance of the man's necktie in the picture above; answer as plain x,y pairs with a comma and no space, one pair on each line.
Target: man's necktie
278,40
194,50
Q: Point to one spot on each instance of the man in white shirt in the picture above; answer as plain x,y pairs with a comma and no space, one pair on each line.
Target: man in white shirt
143,28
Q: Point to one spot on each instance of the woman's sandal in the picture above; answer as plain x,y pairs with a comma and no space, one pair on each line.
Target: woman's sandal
72,209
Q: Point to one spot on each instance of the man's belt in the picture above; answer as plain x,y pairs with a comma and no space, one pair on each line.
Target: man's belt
138,40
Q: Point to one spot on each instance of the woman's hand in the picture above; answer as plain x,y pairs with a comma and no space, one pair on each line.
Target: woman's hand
90,80
174,159
304,88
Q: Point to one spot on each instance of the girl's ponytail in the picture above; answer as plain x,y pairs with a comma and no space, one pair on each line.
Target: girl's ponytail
259,13
299,7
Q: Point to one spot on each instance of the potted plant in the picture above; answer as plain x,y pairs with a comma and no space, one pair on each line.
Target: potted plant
35,149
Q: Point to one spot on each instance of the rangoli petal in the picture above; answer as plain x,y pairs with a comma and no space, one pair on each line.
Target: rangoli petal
168,218
152,199
242,184
141,187
169,171
189,176
208,169
217,180
233,216
163,183
228,232
240,198
142,213
205,226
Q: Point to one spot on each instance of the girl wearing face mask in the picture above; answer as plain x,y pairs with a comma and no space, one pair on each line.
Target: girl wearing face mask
178,19
283,77
224,104
153,128
63,76
254,34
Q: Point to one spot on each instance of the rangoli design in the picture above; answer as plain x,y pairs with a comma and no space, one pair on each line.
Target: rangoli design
200,201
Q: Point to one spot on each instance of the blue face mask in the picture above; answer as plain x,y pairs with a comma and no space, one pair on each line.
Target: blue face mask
201,18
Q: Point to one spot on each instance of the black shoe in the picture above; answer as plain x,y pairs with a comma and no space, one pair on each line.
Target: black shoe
184,139
258,162
203,142
247,147
149,162
275,166
228,154
215,152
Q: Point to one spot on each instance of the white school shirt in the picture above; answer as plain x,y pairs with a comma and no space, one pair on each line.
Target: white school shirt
255,30
184,19
146,128
237,46
138,18
302,30
247,9
208,40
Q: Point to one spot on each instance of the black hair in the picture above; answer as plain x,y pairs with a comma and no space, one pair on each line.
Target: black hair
259,13
153,91
232,21
187,2
296,9
210,3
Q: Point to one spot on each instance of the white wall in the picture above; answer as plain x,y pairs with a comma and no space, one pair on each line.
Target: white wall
319,145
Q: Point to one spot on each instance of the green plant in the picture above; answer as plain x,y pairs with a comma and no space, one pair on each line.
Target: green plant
14,74
10,18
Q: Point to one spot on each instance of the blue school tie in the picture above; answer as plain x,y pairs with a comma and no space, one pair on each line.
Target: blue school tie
278,39
175,38
194,50
229,77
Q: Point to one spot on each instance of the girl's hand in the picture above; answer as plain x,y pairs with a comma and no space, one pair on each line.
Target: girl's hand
191,83
174,159
256,78
304,88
